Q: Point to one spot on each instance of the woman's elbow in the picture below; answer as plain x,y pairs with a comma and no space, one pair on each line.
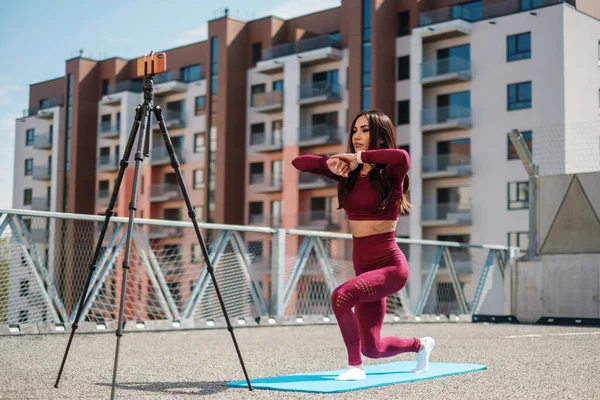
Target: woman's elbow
404,158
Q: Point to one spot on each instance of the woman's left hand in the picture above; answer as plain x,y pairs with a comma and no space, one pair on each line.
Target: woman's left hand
350,158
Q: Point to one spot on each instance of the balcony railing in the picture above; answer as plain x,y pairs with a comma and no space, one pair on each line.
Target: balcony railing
301,46
160,155
266,183
262,141
165,192
174,119
40,203
108,128
459,164
320,91
307,180
48,103
436,69
322,133
453,116
448,213
268,101
320,219
42,141
161,232
495,10
108,163
125,86
176,75
42,172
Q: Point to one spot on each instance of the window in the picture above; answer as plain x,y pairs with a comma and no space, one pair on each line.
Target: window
403,68
257,172
190,73
335,35
256,52
196,253
530,4
405,147
403,23
254,90
29,134
199,143
403,116
172,214
29,166
528,138
255,211
200,104
518,47
518,195
104,87
471,11
214,59
278,86
27,197
519,96
451,59
519,239
198,179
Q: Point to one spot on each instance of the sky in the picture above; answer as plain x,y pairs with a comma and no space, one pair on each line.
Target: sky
37,37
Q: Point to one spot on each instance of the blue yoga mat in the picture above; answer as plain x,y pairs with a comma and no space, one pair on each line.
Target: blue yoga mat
377,375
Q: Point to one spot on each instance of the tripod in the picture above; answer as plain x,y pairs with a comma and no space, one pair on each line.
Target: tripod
143,121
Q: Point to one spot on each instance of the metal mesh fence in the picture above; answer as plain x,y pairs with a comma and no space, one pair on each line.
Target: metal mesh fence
45,264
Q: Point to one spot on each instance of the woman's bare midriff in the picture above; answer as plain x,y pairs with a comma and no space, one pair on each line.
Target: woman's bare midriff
367,228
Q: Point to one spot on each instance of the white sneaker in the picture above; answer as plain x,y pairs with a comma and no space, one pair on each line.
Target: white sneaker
352,374
423,356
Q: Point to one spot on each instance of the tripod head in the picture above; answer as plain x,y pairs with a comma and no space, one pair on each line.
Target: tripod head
148,66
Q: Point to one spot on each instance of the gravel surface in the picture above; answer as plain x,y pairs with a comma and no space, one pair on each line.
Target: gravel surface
542,362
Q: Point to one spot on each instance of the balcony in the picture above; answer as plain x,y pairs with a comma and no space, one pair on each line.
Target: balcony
107,129
44,109
160,156
165,192
319,93
40,203
307,180
266,184
42,141
175,82
103,197
445,118
313,50
268,102
320,220
108,164
162,232
112,96
261,142
173,119
445,71
42,173
445,214
446,166
317,135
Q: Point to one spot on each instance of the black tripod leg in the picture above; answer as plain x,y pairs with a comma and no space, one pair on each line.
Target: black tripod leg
175,164
109,214
139,157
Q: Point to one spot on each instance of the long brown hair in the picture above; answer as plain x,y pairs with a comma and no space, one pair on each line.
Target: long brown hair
381,132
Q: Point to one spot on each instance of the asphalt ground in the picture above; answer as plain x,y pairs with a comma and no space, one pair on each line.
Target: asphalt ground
524,362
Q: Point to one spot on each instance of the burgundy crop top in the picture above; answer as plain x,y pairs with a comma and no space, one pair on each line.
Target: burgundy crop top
362,203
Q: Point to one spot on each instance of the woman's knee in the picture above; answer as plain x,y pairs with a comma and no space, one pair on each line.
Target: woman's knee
370,350
341,298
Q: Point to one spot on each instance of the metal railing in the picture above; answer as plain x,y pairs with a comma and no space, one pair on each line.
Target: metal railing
159,155
106,128
267,99
458,163
42,141
174,118
261,271
444,115
108,163
165,191
494,10
458,212
43,172
329,90
125,86
264,139
435,68
49,103
301,46
177,75
266,183
321,131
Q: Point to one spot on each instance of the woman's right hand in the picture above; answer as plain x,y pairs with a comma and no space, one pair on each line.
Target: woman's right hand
338,167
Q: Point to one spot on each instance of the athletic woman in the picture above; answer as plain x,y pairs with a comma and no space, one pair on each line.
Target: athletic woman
372,189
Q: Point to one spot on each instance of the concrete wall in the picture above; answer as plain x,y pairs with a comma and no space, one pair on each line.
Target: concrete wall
557,286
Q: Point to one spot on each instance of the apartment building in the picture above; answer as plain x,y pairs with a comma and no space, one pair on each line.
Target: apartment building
455,77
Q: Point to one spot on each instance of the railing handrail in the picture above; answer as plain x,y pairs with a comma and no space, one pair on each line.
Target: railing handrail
459,156
451,107
300,46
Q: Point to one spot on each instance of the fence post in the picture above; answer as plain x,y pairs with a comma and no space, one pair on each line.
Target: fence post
278,273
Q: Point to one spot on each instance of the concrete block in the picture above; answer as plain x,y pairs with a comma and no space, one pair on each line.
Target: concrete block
49,328
529,288
18,329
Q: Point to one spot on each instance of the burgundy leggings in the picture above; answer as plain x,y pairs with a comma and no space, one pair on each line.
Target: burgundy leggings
381,270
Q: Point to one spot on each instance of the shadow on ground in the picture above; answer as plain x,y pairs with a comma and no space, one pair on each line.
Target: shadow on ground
184,388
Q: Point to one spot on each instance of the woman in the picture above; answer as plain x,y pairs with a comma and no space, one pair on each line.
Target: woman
372,184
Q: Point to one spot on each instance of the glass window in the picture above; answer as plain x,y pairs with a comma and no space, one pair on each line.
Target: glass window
518,47
403,23
519,239
518,195
528,138
519,96
403,68
403,116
